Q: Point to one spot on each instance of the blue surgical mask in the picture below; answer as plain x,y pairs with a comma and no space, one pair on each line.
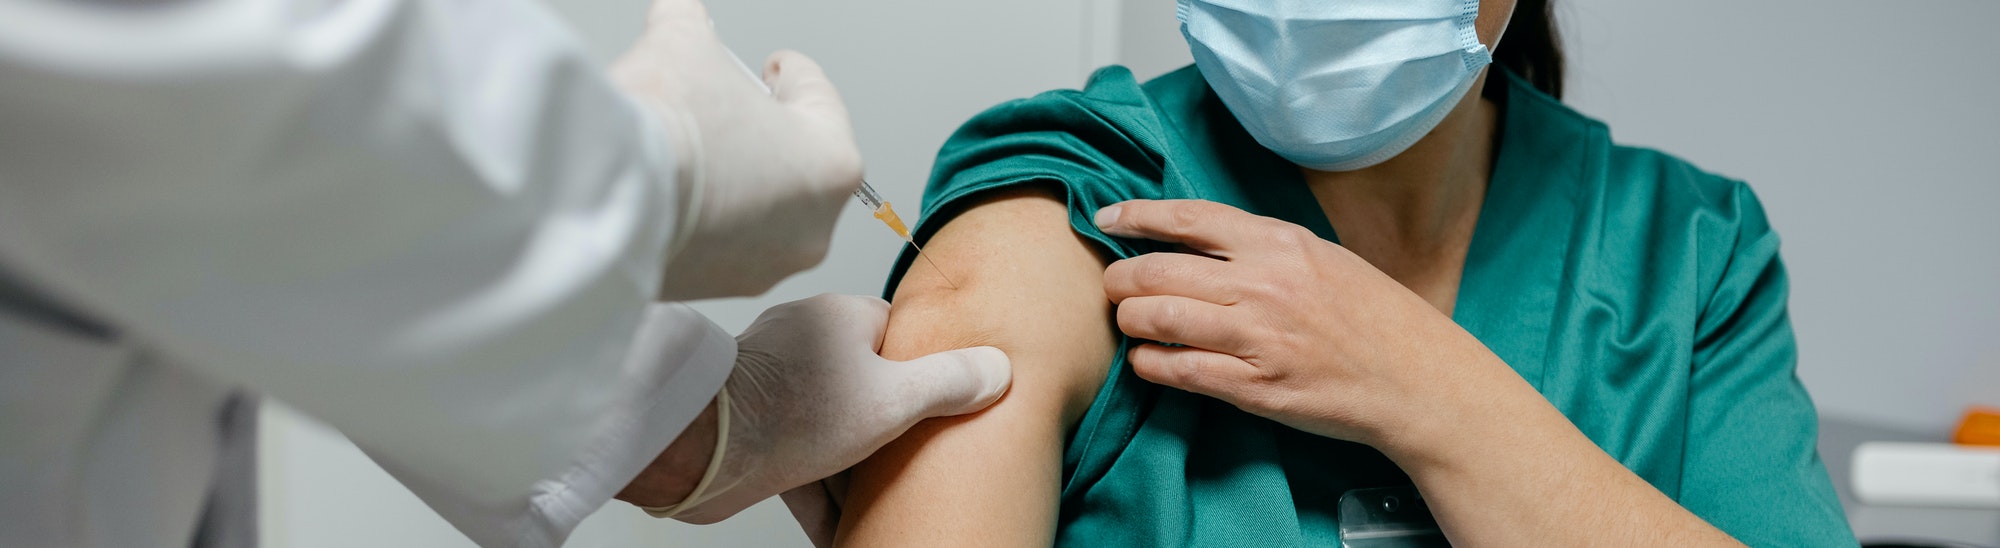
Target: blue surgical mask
1336,85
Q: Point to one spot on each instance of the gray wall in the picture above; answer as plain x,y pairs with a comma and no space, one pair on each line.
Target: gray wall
1865,127
1870,131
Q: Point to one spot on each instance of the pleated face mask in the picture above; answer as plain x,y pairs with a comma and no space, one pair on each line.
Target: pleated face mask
1336,85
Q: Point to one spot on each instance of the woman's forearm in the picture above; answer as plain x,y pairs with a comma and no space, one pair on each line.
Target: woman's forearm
1505,468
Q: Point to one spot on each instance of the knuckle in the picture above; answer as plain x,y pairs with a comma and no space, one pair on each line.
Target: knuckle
1265,401
1270,376
1149,318
1304,236
1170,314
1291,236
1264,385
1184,217
1163,365
1188,372
1262,288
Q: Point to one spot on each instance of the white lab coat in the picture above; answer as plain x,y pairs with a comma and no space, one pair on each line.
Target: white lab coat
430,223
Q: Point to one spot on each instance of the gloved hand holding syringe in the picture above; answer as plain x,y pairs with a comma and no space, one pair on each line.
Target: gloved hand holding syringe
866,193
809,394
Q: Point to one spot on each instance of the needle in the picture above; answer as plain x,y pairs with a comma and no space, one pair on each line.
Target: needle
934,266
874,202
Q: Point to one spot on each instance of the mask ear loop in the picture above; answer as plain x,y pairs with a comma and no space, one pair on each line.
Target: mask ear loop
695,497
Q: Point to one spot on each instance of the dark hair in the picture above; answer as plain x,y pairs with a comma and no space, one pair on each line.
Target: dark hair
1532,48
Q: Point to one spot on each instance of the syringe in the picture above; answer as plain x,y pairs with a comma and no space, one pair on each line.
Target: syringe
866,193
876,204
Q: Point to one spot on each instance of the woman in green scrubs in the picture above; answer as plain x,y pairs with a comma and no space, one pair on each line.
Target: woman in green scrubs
1553,338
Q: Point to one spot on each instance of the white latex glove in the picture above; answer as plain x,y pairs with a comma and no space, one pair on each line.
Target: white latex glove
810,398
765,172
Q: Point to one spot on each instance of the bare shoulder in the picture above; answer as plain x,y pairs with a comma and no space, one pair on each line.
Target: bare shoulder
1027,284
1032,287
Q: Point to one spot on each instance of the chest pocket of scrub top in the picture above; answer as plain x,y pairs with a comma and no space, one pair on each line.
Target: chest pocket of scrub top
1388,517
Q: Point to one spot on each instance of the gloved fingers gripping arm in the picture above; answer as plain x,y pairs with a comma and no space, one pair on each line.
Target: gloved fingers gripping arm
772,163
811,397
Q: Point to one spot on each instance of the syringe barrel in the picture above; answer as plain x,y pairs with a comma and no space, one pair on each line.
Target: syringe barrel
868,196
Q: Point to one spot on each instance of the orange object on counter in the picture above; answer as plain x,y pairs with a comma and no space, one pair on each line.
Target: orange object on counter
1981,426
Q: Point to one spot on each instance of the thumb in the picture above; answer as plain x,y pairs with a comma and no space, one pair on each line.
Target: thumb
956,382
799,82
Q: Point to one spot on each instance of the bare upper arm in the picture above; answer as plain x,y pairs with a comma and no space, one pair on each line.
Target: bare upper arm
1032,287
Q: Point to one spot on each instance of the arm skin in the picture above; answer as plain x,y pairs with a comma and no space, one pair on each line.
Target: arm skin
1505,468
1033,288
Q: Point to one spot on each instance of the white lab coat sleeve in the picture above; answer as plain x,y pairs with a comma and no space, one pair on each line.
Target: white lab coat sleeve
432,224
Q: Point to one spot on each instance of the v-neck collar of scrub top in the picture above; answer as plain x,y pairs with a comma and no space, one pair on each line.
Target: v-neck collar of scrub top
1520,244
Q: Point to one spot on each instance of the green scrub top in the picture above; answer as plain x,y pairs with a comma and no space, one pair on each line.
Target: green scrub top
1640,295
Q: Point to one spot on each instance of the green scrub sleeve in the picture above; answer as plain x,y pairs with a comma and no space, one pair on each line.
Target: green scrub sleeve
1750,465
1098,146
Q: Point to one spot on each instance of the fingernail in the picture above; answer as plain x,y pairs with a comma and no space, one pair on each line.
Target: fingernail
1108,216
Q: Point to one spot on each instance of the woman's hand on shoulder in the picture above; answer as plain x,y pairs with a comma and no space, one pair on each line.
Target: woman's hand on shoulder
1294,328
1286,325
